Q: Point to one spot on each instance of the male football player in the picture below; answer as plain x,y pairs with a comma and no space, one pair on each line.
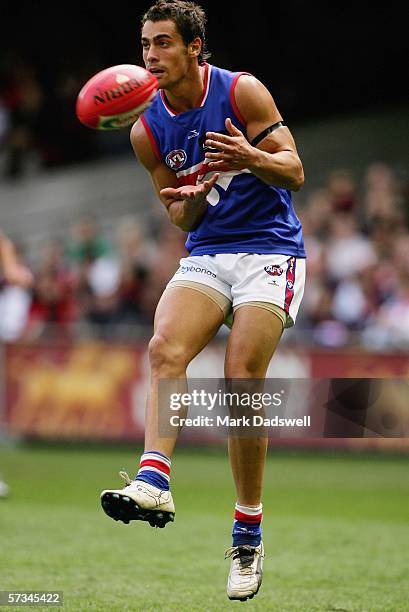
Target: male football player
224,164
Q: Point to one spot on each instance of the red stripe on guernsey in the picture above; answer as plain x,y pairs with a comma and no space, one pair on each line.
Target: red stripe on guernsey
233,100
196,174
203,97
191,177
159,465
289,284
166,105
247,518
205,85
151,138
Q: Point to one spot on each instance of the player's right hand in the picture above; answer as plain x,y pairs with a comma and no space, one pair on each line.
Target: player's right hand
193,194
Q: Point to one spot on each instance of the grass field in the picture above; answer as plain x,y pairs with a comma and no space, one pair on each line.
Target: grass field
336,531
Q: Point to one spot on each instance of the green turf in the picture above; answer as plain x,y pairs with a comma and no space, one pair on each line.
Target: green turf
335,530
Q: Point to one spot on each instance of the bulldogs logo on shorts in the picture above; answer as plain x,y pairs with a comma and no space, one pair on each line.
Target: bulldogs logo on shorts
176,159
274,270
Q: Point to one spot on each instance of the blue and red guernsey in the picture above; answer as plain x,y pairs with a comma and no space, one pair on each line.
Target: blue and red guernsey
244,214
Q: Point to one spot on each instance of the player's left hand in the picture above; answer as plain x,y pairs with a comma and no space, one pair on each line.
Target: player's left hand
193,194
234,150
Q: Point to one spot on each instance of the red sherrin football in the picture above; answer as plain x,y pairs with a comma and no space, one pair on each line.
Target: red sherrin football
115,97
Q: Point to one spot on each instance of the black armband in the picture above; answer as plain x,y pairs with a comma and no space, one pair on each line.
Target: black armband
265,133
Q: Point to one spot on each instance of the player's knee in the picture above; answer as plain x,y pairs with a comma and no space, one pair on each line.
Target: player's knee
166,357
251,368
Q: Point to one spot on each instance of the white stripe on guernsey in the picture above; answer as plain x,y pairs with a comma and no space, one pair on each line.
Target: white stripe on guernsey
150,468
171,113
225,174
155,458
190,170
165,106
250,511
208,84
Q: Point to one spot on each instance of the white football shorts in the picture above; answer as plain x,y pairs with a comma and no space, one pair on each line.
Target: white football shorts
245,278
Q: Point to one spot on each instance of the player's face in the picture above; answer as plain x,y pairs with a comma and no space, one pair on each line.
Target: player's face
164,52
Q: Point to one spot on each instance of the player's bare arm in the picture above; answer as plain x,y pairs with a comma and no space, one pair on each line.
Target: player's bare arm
185,205
14,272
275,159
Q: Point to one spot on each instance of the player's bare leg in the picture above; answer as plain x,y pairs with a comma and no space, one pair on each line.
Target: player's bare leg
185,322
254,337
252,342
177,339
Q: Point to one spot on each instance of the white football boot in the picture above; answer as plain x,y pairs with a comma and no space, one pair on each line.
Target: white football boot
246,571
138,501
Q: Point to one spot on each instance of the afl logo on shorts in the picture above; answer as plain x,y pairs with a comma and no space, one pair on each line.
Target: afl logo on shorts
274,270
176,159
290,284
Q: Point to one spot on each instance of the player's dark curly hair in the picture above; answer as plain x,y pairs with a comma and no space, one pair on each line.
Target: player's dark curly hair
189,18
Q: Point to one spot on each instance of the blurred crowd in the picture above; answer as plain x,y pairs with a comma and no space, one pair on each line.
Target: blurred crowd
357,242
356,235
357,290
38,125
93,284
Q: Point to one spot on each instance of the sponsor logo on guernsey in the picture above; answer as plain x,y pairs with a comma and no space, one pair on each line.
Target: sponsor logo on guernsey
274,270
192,134
176,159
185,269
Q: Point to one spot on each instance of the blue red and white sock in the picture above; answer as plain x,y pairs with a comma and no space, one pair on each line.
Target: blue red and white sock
154,468
246,526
